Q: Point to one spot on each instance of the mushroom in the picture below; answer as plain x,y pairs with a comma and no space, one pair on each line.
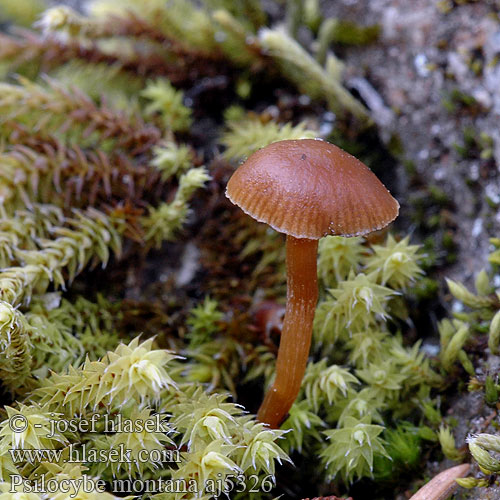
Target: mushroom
307,189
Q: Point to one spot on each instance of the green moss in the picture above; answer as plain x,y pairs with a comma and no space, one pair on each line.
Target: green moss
476,145
247,136
395,146
167,101
457,100
404,447
23,13
350,33
490,391
360,441
203,322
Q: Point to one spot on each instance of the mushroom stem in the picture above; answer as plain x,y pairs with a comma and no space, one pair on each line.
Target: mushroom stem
302,296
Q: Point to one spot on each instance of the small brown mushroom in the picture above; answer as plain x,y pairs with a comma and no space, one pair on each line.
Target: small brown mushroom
307,189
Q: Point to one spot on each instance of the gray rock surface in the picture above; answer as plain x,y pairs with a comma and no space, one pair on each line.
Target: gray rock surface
423,56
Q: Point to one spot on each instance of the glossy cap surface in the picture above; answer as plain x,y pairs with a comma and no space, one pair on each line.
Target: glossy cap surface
309,188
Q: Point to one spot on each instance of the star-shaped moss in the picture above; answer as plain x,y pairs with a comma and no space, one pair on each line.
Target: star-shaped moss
337,257
352,449
395,263
324,383
354,306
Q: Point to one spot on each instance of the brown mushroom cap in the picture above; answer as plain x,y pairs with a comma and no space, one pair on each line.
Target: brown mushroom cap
309,188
